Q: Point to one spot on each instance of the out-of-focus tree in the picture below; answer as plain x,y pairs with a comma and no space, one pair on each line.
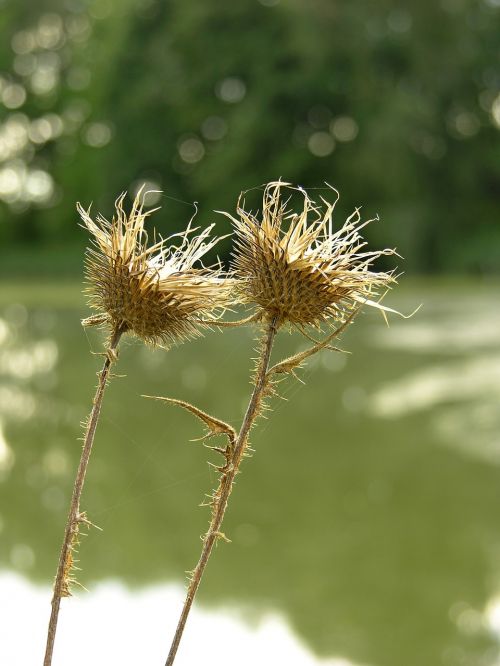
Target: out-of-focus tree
395,103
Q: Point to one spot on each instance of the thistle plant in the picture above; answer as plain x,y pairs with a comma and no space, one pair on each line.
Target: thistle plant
297,272
160,293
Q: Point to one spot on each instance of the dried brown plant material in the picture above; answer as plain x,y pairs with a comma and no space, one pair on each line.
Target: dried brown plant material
161,293
295,268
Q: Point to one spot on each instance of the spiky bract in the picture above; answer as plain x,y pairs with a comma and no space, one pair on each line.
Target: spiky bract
161,293
295,268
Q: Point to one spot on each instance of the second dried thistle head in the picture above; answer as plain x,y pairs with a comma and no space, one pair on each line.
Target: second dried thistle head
295,268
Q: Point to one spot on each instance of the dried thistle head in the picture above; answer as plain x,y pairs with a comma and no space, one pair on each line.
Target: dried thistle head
295,268
161,293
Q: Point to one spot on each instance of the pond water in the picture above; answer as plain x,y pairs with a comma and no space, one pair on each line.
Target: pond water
365,528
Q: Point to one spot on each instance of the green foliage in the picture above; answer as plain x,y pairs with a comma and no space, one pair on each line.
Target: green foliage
391,102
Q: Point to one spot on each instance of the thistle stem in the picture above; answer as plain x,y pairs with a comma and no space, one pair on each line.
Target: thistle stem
222,496
74,516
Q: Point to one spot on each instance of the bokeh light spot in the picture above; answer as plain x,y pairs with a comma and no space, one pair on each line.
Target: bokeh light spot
231,90
191,150
214,128
467,124
97,135
23,42
39,185
151,191
50,31
495,111
321,144
13,96
344,128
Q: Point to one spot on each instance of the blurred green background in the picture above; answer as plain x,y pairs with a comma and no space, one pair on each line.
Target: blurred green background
368,515
395,103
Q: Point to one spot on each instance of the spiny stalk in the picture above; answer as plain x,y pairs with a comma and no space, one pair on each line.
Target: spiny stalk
161,293
296,271
64,576
228,473
264,378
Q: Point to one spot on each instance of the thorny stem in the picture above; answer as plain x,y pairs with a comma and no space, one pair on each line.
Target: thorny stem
226,485
74,516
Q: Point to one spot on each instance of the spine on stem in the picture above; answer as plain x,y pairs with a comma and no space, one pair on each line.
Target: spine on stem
75,517
220,499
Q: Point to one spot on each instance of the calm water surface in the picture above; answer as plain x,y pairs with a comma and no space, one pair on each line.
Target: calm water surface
367,520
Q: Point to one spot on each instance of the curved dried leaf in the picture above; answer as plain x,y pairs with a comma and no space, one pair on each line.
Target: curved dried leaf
216,426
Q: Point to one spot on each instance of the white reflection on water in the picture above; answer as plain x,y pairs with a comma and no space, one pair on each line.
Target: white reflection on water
470,423
476,625
17,403
490,621
26,365
31,359
449,335
492,616
6,454
460,396
463,380
21,359
469,620
113,625
474,430
4,331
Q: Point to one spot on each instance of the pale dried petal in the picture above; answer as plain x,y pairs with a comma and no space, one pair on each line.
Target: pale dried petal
162,293
295,268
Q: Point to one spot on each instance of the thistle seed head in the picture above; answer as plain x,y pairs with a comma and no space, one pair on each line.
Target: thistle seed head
295,267
161,293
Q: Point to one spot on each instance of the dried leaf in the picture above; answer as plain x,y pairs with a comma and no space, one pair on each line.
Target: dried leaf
215,426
